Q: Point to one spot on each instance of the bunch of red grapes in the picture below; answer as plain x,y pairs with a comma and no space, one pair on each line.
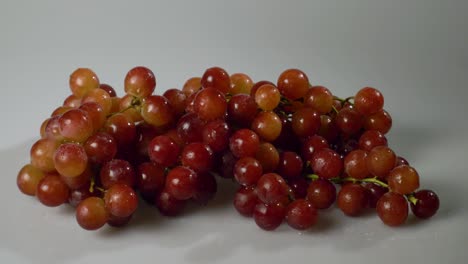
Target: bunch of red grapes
286,145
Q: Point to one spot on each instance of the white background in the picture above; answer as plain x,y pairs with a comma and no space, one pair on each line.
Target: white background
415,52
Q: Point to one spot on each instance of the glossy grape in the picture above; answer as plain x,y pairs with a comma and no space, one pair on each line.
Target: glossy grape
82,81
427,204
121,200
368,101
269,216
321,193
28,178
301,214
403,179
392,209
91,213
216,78
352,199
241,83
140,82
293,84
245,200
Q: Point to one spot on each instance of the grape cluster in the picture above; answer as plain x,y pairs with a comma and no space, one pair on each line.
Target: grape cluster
287,145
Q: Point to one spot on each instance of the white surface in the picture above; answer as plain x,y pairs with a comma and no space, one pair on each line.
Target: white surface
415,52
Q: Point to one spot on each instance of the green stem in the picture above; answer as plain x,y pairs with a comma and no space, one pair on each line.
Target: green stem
410,197
349,179
334,109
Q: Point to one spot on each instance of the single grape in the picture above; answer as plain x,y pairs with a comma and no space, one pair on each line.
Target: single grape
403,179
120,200
371,139
290,165
267,97
52,191
163,151
269,216
180,183
28,178
91,213
156,111
392,209
122,129
247,171
216,78
70,159
312,145
301,214
210,104
380,121
293,84
245,200
327,164
268,156
267,125
427,204
321,193
349,121
177,100
380,161
319,98
190,127
240,84
216,135
82,81
352,199
305,122
150,177
75,125
272,189
117,171
368,101
140,82
100,148
244,143
197,156
192,86
242,109
168,205
355,164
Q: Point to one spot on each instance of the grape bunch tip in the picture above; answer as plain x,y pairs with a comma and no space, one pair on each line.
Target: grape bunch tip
292,149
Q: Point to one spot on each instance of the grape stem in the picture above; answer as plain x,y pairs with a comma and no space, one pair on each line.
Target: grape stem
346,100
136,103
410,197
